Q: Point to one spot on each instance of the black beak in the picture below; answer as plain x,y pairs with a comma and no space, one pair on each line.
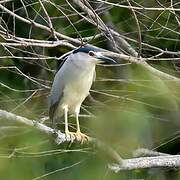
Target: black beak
106,60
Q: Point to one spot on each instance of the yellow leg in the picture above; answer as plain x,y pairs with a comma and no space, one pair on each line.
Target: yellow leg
67,132
80,136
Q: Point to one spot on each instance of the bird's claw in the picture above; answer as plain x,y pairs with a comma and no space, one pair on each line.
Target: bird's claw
81,137
71,135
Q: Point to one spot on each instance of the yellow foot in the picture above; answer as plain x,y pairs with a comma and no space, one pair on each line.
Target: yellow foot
81,137
70,135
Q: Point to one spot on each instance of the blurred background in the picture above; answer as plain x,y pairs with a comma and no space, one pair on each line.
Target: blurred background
128,107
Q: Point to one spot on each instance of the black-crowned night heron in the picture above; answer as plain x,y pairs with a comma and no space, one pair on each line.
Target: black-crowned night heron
71,85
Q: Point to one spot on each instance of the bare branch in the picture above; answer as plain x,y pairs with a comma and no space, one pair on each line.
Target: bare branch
169,161
38,25
143,63
49,20
140,8
42,44
110,32
139,29
60,137
124,164
5,1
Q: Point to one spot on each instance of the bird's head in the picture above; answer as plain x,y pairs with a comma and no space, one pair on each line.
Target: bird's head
91,55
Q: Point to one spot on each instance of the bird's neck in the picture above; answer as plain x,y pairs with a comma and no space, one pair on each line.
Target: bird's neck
84,66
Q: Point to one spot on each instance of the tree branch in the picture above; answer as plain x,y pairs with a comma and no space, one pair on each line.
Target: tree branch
59,136
144,64
140,8
48,44
31,22
126,46
147,162
161,160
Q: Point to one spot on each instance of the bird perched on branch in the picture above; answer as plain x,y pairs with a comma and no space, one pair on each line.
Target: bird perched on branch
71,86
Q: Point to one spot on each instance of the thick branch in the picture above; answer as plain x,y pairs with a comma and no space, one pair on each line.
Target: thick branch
60,137
147,162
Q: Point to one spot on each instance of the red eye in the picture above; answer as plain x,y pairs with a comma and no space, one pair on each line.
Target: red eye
91,53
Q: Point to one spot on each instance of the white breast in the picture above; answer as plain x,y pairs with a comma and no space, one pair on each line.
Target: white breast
77,89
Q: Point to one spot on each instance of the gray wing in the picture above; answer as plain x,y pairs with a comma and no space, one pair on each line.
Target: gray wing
56,94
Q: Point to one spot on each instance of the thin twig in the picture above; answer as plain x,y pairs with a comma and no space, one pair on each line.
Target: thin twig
48,19
42,44
139,30
139,8
144,64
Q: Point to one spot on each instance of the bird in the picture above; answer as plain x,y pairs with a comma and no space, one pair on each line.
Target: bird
71,86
